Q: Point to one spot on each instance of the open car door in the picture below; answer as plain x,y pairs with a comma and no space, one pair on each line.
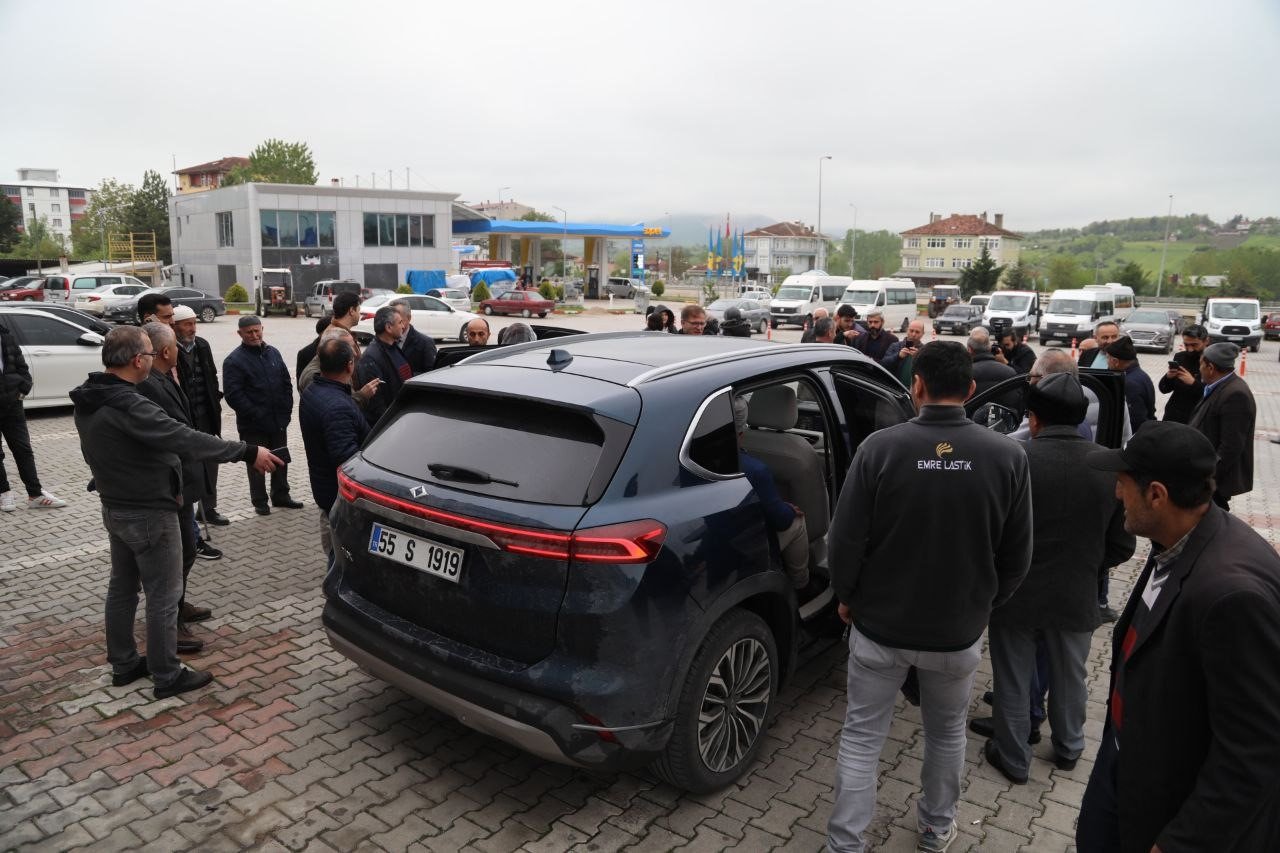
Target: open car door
1003,407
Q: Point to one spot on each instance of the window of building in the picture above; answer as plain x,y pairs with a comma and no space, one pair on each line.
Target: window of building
935,243
11,190
935,263
31,190
31,206
991,244
371,229
325,226
57,208
911,243
75,193
288,224
307,234
399,229
911,262
226,233
57,223
269,229
402,229
962,243
54,192
961,263
386,229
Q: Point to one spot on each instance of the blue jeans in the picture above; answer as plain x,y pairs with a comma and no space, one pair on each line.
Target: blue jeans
146,553
875,674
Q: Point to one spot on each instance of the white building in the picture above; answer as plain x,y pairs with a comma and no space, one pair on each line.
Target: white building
38,192
224,236
791,246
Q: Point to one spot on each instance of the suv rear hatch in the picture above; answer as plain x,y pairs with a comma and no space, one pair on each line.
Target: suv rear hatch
458,518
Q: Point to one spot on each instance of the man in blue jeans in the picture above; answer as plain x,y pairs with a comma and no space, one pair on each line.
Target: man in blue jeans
135,453
922,601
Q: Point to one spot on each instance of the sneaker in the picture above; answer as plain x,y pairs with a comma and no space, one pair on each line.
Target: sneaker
45,500
188,679
120,679
205,551
932,841
8,503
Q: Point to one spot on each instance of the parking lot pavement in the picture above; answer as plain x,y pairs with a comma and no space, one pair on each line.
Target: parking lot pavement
293,747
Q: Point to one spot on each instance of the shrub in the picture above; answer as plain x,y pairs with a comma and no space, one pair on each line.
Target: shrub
480,292
559,289
659,288
237,293
547,290
404,288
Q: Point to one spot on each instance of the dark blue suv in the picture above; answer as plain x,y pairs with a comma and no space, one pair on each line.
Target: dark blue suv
553,542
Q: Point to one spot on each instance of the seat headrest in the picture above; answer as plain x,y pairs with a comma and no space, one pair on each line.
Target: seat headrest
772,408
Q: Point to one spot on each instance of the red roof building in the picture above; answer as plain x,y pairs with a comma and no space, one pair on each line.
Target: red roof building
207,176
939,251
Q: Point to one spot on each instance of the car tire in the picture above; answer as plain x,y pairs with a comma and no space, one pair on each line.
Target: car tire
542,316
488,309
1256,347
1168,348
462,334
906,321
259,310
707,751
28,299
760,327
526,313
207,314
306,310
773,324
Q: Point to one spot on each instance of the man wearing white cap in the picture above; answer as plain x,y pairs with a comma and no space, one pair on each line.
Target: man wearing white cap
198,374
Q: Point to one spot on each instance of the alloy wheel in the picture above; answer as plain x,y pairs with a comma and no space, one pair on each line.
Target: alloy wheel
734,705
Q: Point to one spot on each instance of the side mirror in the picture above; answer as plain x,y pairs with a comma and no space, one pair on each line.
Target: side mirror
90,339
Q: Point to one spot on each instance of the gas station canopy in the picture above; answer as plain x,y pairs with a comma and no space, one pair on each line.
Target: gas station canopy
525,228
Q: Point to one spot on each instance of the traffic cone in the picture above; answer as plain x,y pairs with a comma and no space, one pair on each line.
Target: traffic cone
768,334
1244,358
1074,353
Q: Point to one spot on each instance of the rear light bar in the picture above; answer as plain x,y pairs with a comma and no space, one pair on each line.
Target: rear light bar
630,542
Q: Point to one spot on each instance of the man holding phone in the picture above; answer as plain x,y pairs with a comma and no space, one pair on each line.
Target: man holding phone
1182,380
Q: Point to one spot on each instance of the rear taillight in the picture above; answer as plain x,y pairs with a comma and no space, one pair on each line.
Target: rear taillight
632,542
366,315
95,298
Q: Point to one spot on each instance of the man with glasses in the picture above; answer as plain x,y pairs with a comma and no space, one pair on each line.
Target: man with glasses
135,454
693,320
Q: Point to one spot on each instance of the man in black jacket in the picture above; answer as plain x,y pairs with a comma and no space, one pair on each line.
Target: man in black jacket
382,360
198,375
1226,416
15,385
418,349
1190,757
877,340
922,601
1014,353
1079,525
1139,392
259,391
1182,383
987,372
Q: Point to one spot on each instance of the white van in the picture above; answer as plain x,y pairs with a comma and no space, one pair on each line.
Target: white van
895,298
801,295
1020,307
1236,320
1124,300
1073,314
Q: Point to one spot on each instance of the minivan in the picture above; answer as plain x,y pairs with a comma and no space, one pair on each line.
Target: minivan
69,288
1234,319
1073,314
802,294
319,302
1018,308
895,298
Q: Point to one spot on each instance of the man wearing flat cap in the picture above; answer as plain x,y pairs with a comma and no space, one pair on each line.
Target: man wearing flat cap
1190,751
1078,525
1139,392
1226,416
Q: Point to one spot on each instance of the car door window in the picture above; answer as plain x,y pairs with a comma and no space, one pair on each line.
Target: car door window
129,290
430,303
44,331
869,402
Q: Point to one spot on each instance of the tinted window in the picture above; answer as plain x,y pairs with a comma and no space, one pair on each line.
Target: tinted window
432,304
549,452
40,331
712,444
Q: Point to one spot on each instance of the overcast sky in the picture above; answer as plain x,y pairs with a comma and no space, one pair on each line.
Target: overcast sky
1054,114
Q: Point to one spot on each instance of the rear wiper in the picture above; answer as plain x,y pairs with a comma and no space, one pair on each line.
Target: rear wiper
466,475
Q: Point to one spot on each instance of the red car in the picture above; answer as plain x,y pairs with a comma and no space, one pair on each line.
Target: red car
24,288
526,303
1270,326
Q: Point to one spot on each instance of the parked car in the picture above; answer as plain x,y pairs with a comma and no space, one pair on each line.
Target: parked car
319,302
69,288
431,316
756,314
59,353
958,319
1271,327
24,288
980,300
88,322
1150,329
554,542
97,301
625,288
526,303
452,296
1178,319
206,307
754,291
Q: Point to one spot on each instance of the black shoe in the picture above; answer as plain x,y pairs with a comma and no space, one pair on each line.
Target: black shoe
205,551
287,502
262,509
993,758
1107,613
139,671
985,726
192,613
188,679
1063,763
188,642
989,697
216,518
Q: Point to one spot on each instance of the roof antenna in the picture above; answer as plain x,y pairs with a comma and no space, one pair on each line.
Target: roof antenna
559,358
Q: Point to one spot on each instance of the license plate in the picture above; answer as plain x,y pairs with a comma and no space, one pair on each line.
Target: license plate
1235,339
442,561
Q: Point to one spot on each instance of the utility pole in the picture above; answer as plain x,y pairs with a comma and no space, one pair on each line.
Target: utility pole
853,241
1164,249
822,241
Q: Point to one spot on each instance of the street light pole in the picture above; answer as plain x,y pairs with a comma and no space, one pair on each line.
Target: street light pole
1164,249
667,215
853,241
564,267
822,243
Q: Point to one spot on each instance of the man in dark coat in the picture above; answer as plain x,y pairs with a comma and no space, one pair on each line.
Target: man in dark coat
1189,758
333,427
1093,351
198,376
877,340
987,372
1014,353
259,391
1182,383
382,360
1139,392
1078,525
418,349
1226,416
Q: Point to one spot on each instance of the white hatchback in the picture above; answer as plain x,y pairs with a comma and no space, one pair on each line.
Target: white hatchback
431,316
456,298
59,354
101,298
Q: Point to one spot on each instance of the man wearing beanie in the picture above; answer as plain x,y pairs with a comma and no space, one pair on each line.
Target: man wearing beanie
1139,392
1078,525
1226,416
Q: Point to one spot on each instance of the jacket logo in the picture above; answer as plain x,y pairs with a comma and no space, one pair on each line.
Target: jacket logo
418,492
942,449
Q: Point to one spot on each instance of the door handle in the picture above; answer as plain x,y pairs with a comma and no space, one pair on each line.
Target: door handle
41,352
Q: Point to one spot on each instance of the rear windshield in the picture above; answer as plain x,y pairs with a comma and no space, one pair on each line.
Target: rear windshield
551,453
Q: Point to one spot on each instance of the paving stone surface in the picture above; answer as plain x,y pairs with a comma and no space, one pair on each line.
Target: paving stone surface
293,747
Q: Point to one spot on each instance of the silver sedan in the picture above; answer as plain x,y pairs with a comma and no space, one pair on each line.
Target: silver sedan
755,313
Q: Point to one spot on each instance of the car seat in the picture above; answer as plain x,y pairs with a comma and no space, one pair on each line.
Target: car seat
796,468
